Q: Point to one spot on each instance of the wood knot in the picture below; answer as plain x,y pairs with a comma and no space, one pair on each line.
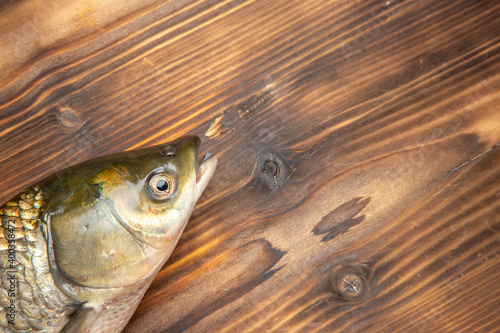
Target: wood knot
272,168
68,118
350,282
273,171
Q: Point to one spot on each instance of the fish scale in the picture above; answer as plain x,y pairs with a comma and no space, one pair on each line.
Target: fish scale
35,309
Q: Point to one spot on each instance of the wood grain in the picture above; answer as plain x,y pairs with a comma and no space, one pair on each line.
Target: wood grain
358,142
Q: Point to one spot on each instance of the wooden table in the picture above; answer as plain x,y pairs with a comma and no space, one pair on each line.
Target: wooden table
358,186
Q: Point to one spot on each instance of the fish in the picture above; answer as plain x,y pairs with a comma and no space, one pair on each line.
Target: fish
79,249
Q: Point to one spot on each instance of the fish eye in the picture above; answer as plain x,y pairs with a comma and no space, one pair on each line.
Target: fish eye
162,186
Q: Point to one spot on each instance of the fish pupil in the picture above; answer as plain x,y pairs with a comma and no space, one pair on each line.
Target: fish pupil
162,185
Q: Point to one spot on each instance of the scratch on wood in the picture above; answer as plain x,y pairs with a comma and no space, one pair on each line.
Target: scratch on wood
473,159
230,119
214,129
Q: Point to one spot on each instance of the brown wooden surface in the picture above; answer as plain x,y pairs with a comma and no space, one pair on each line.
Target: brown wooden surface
357,140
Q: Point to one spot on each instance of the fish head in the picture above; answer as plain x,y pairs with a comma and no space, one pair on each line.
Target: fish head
114,221
161,190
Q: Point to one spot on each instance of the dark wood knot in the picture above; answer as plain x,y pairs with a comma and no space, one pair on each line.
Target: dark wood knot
273,171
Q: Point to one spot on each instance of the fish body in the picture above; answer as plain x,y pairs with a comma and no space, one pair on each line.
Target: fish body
79,249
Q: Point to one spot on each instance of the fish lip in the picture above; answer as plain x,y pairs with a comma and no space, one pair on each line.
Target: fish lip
204,172
200,166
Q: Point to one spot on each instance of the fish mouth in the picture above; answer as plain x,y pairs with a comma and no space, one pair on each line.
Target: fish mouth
204,172
205,157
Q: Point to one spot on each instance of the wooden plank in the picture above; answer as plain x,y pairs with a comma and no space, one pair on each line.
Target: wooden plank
358,141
